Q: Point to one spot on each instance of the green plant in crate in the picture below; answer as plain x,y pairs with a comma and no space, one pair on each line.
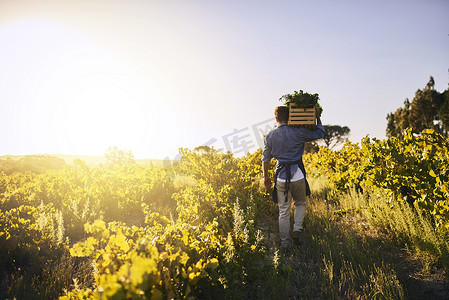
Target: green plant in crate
302,99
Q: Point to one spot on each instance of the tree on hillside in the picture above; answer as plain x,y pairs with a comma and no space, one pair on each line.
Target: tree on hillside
428,109
115,157
335,135
443,112
399,121
311,147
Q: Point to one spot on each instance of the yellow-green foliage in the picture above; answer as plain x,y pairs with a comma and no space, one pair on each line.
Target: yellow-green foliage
415,168
190,230
199,250
150,237
31,255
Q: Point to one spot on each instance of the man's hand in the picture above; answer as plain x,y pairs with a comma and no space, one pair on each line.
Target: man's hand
267,182
266,175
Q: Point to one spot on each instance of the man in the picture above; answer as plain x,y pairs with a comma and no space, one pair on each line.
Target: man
286,145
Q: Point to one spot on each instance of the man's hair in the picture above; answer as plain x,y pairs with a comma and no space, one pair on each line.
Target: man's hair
281,113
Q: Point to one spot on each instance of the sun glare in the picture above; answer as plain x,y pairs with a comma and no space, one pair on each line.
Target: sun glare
82,98
104,115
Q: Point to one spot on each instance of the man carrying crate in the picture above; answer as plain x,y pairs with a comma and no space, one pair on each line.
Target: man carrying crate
286,145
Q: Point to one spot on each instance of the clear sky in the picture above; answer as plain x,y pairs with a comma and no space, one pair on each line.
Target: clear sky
152,76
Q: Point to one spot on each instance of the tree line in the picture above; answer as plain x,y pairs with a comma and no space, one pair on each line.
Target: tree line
429,109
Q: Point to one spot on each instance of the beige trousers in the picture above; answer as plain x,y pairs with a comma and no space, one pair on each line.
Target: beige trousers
297,191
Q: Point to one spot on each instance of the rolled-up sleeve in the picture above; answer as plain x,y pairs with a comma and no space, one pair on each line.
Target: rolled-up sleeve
321,130
311,135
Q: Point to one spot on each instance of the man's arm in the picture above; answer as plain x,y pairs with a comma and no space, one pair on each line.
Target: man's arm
266,158
266,174
318,118
305,134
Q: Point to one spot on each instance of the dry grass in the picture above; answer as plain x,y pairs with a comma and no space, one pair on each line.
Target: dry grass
360,247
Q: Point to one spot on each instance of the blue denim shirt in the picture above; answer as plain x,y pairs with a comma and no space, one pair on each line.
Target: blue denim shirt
286,144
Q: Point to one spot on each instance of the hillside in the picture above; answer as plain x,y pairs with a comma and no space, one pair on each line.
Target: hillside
42,162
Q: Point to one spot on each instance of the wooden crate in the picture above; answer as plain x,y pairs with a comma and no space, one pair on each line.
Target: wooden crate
299,116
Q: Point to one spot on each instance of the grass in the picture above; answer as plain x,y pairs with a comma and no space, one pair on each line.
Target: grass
358,246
